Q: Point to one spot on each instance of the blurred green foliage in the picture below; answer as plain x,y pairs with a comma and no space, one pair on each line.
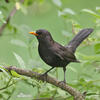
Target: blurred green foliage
63,18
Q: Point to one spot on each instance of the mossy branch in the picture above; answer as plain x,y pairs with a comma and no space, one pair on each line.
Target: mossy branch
76,94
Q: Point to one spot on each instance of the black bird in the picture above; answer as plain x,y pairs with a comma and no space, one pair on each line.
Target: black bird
56,55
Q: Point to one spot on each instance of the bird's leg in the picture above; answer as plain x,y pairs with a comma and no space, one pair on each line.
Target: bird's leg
64,69
45,74
64,81
48,70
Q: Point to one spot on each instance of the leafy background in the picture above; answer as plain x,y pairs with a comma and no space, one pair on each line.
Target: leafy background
63,18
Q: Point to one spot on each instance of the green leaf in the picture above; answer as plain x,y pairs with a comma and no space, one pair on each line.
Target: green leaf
20,60
61,92
57,2
98,9
2,18
15,74
90,58
50,87
69,11
97,48
1,96
91,12
18,42
97,22
77,25
66,11
28,2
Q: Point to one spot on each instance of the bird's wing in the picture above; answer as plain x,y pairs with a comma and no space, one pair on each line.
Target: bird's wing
64,53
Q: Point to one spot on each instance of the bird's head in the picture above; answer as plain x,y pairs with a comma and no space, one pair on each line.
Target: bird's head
40,32
42,35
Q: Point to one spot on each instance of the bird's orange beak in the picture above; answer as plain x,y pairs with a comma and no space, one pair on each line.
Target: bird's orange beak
34,33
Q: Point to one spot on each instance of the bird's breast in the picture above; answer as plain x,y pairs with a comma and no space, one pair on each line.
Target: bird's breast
48,56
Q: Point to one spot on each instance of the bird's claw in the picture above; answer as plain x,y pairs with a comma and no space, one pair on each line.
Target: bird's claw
62,82
43,76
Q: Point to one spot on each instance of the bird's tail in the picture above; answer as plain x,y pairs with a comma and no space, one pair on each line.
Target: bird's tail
75,42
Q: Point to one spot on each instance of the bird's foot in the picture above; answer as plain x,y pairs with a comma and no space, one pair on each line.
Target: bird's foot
44,76
62,82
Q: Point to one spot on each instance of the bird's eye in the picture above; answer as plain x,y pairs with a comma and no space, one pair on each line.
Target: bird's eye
39,33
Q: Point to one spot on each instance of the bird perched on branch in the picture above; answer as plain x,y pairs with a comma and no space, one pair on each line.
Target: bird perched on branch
56,55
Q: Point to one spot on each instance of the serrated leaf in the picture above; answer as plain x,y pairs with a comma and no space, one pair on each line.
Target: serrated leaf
20,60
18,42
57,2
91,12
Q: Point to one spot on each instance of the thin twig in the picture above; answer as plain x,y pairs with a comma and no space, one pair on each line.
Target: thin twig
12,13
8,84
11,94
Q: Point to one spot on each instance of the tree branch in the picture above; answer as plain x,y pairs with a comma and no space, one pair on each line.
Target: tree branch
43,99
76,94
8,18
